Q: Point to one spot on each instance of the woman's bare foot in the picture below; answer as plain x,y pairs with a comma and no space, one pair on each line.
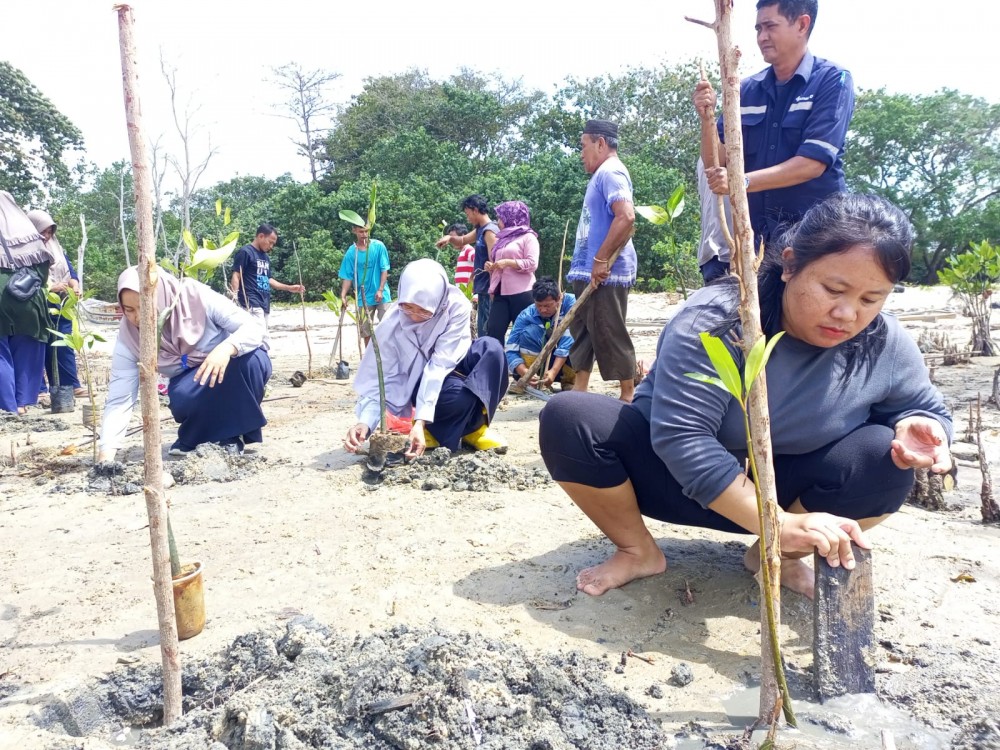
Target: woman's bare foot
623,566
796,575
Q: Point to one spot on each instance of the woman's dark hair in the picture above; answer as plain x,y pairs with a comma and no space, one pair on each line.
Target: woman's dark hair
838,224
477,203
544,288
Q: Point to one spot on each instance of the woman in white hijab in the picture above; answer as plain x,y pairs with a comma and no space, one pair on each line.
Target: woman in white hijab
431,368
210,350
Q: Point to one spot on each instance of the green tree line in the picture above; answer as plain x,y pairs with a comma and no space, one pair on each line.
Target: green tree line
429,143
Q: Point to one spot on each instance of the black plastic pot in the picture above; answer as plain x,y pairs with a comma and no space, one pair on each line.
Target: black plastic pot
62,399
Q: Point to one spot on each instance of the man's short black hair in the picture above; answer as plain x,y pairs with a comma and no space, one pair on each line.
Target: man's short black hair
544,288
266,229
792,9
477,203
460,229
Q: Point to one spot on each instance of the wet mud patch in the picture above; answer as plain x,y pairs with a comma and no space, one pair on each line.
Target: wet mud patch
13,424
406,688
479,471
206,463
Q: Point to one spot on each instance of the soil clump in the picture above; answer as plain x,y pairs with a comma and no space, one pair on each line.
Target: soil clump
406,687
479,471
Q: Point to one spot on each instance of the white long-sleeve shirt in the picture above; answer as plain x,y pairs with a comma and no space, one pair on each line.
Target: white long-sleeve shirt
225,323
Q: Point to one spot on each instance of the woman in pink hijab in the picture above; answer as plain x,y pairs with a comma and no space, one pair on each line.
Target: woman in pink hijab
511,267
211,351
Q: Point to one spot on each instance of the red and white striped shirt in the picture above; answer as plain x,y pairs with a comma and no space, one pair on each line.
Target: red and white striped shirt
465,264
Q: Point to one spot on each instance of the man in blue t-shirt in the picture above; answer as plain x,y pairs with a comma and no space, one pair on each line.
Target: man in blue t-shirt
251,282
794,116
366,265
606,222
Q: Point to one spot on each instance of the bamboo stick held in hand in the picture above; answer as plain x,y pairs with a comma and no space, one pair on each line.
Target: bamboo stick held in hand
149,398
302,299
774,691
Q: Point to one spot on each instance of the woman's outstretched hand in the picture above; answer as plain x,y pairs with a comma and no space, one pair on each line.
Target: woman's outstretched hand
829,535
355,437
921,443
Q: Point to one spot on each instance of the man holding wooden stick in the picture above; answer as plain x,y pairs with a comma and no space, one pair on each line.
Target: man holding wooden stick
606,223
794,114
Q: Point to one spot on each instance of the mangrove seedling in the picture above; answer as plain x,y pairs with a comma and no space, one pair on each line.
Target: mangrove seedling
80,341
730,380
665,215
972,276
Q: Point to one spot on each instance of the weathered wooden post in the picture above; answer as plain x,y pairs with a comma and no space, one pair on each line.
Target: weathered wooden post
844,650
149,398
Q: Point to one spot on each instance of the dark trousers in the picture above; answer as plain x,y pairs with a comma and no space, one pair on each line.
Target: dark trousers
65,357
229,410
600,442
21,367
503,311
482,313
474,387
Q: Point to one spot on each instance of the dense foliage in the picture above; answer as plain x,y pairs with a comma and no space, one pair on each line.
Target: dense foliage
34,136
430,143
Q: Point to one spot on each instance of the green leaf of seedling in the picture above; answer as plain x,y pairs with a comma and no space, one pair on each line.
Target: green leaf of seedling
210,244
758,357
700,376
208,259
218,206
54,299
371,206
654,214
98,337
675,203
189,240
231,237
228,218
351,217
723,363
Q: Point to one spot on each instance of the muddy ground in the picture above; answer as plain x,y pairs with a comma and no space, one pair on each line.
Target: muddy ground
451,583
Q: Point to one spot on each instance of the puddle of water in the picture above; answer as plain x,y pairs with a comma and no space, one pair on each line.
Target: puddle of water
854,721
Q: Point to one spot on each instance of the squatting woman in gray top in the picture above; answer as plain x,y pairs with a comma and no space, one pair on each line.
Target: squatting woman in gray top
852,409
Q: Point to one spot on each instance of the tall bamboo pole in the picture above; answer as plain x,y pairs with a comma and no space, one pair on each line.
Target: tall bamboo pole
149,399
745,263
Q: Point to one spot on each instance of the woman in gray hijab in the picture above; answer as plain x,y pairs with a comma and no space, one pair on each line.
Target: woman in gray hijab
24,317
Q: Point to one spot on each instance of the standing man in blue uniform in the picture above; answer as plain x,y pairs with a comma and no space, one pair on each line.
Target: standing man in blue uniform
795,116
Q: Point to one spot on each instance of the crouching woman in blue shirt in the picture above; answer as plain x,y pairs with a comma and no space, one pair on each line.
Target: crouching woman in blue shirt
852,409
210,350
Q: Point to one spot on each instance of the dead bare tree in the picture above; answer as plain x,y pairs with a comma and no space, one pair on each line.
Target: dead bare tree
188,172
121,213
305,104
81,250
158,171
773,690
156,507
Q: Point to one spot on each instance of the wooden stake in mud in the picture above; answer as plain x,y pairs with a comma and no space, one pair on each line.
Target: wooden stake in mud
302,298
773,689
149,399
844,627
